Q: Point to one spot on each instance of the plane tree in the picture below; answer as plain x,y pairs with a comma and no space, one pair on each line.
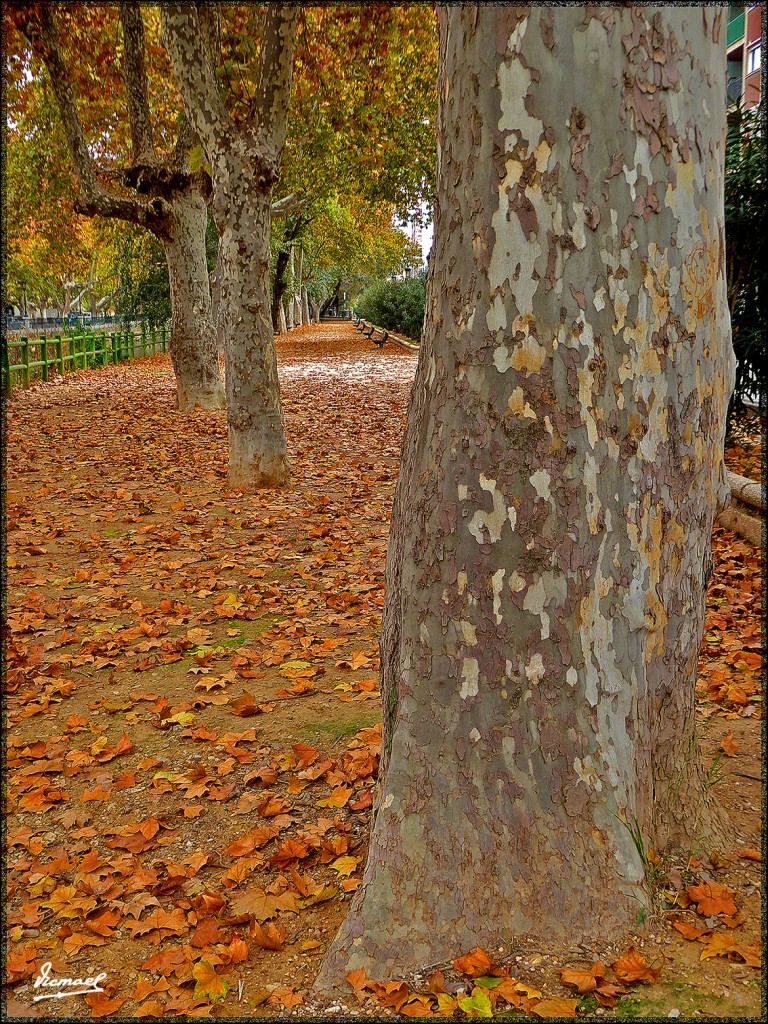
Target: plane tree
243,148
561,471
155,187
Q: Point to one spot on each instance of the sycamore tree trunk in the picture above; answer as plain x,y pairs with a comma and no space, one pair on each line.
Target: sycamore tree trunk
305,305
561,470
245,163
257,443
194,350
298,311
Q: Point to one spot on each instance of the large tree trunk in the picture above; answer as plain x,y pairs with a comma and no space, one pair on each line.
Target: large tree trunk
194,350
257,443
561,470
245,163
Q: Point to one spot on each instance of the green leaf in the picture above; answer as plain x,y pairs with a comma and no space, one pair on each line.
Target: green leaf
476,1005
488,982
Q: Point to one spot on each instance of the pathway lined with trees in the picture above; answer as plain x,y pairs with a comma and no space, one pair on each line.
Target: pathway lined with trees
553,635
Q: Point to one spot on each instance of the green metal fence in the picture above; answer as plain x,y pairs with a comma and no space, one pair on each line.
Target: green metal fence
29,359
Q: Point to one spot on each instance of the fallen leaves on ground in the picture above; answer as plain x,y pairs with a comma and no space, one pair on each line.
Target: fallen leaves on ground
192,687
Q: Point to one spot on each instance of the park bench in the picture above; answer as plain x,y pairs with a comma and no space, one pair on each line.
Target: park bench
370,331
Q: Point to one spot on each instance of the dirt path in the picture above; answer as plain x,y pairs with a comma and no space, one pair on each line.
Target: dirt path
192,698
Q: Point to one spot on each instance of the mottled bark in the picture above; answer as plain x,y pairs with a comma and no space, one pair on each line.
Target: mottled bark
561,470
257,444
245,160
305,305
194,350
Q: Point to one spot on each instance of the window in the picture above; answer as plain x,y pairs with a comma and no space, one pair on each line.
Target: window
734,80
753,59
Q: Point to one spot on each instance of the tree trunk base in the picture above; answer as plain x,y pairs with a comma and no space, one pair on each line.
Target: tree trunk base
205,399
253,465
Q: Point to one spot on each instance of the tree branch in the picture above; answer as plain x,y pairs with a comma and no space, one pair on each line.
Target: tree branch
188,46
43,36
291,204
179,158
269,114
135,78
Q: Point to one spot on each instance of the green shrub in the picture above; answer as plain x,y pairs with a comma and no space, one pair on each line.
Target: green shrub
746,250
397,306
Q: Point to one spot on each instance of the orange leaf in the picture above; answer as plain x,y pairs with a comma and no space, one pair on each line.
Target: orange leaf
287,997
474,964
690,931
338,797
748,853
101,1004
245,706
712,898
359,983
558,1007
634,967
273,937
729,746
417,1006
583,981
238,950
208,984
606,992
718,944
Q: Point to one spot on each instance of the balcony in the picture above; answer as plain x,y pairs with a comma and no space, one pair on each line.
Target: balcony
736,29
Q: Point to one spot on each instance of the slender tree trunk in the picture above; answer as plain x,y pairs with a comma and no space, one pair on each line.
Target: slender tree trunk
330,301
283,326
278,291
257,444
305,306
298,311
288,303
194,350
562,467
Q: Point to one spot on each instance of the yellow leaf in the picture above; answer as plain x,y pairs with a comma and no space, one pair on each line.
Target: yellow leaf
345,865
338,797
208,984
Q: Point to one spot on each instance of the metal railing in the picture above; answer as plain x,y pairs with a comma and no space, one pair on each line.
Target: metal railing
26,360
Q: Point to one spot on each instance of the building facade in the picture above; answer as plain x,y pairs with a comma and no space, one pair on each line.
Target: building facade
745,32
